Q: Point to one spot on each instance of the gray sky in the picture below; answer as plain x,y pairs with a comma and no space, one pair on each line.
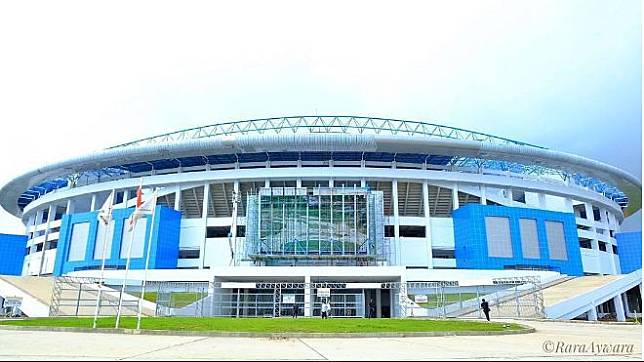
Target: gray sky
80,76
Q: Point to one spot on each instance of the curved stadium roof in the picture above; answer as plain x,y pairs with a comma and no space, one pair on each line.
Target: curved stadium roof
323,137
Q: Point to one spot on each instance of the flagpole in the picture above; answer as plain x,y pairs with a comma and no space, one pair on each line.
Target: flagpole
127,269
127,262
102,277
147,262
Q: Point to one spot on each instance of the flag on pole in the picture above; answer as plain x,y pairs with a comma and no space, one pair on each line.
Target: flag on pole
105,212
142,208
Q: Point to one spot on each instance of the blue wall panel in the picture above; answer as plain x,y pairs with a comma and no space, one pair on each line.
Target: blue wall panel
470,239
629,249
164,250
12,253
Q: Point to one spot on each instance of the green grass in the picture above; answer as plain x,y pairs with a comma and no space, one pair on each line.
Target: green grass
275,325
433,300
177,299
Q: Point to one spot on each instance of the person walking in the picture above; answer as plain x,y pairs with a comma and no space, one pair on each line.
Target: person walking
296,310
325,309
486,309
372,309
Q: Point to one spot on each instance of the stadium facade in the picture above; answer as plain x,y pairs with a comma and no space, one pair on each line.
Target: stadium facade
352,202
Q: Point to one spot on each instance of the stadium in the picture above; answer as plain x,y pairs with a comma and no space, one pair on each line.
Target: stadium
280,211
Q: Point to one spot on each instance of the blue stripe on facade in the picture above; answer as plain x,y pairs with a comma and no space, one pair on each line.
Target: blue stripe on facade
629,249
12,253
164,250
470,238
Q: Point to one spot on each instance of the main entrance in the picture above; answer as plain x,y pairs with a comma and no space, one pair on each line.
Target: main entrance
282,299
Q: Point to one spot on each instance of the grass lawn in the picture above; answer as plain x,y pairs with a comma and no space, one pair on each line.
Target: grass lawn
177,299
433,300
276,325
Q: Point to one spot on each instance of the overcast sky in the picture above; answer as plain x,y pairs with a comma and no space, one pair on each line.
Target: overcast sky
81,76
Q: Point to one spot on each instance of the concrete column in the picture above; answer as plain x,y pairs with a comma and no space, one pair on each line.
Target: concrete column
298,183
363,182
70,207
308,306
589,212
378,303
330,182
455,202
627,307
619,308
509,194
204,218
428,226
592,313
92,205
50,216
542,200
177,199
394,201
126,196
483,195
233,226
267,183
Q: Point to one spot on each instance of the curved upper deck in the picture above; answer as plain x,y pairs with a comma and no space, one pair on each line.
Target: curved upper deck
323,136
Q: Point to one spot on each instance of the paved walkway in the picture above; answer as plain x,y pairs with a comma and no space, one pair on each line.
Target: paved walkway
28,345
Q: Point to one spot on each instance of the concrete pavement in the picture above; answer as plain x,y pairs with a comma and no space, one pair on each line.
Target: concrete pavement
552,340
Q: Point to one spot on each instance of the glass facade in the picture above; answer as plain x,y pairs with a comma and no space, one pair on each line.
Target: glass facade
312,226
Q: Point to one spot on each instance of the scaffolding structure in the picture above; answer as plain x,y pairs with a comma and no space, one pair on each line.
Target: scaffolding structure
315,226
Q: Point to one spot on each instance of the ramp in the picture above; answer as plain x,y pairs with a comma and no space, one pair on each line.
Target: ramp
35,293
577,296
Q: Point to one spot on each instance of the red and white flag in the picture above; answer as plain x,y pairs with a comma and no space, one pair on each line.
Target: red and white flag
105,212
142,207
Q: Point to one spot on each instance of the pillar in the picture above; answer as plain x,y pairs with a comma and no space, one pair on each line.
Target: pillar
92,206
177,199
455,202
592,313
394,201
378,303
619,308
308,306
483,189
204,218
50,216
428,226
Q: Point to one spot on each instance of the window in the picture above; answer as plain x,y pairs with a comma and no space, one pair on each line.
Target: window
45,216
389,231
217,231
529,238
518,196
409,231
602,246
59,213
442,254
596,214
189,253
499,244
78,241
556,240
241,231
138,240
585,244
52,245
27,251
104,234
615,249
